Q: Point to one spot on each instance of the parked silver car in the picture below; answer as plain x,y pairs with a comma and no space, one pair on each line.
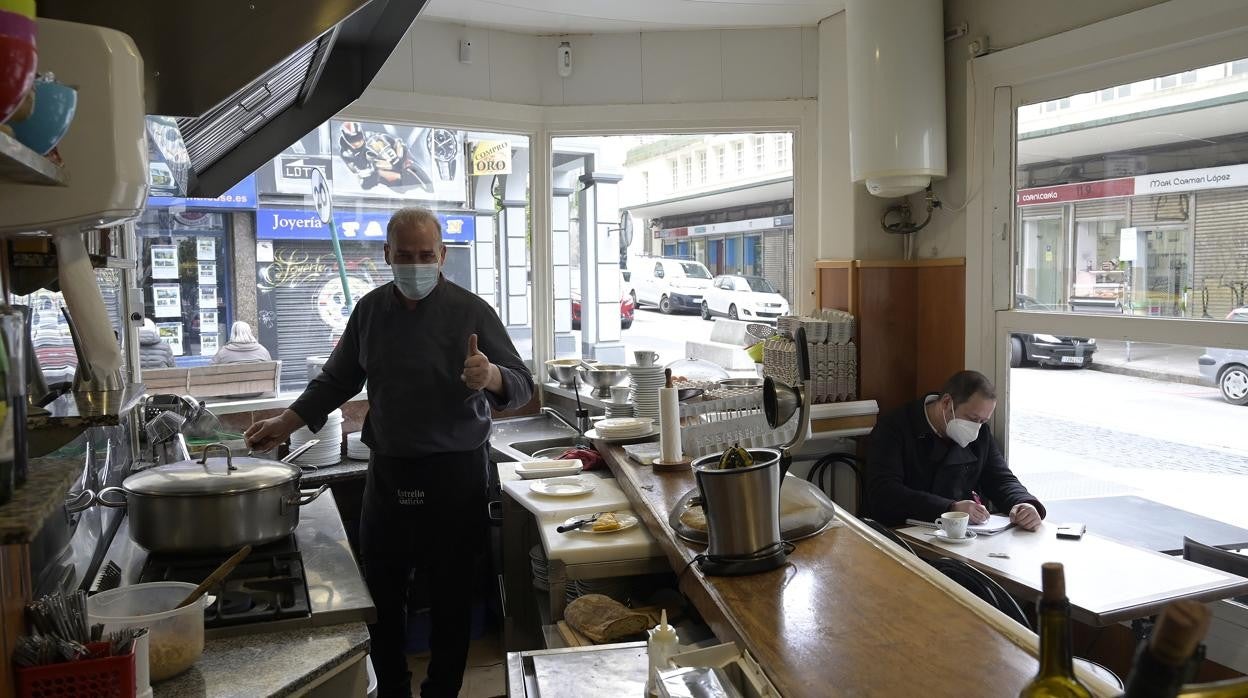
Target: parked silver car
1228,368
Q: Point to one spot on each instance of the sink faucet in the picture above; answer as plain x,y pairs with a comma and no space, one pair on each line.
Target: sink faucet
581,426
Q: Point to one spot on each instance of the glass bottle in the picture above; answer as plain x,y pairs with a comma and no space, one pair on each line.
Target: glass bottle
1056,678
1160,663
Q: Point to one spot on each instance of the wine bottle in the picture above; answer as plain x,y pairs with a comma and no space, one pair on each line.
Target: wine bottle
1056,678
1158,670
1230,688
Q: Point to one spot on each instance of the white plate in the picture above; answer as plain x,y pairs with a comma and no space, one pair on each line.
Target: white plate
627,521
625,423
536,470
563,486
941,536
594,435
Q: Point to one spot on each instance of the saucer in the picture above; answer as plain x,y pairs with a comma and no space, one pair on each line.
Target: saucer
942,536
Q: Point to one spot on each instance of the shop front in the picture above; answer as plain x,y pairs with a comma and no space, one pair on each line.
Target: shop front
1167,244
186,265
301,308
752,247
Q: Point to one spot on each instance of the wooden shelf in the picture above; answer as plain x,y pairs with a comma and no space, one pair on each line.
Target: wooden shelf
21,164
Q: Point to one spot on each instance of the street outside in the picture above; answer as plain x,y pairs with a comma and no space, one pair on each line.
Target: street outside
665,334
1076,433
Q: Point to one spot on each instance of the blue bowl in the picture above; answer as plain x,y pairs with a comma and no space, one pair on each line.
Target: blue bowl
54,112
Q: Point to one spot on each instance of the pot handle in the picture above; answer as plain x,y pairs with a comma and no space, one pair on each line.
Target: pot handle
290,457
229,456
306,496
101,497
79,501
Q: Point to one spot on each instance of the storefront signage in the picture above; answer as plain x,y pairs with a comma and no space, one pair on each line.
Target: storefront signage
301,166
303,224
239,196
1159,183
491,158
1190,180
729,227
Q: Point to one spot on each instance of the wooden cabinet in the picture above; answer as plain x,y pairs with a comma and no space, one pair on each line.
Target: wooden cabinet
911,322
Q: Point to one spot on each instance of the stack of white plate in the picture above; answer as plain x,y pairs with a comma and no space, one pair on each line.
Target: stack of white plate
624,427
328,451
644,393
616,410
356,448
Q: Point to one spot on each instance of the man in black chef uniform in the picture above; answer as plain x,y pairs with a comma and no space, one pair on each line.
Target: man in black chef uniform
437,359
936,454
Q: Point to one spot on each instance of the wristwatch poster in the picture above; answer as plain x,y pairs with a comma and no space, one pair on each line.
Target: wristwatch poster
444,147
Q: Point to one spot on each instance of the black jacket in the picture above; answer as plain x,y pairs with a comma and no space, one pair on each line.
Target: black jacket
914,473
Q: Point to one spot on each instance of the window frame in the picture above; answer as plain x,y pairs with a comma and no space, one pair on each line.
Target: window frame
1178,36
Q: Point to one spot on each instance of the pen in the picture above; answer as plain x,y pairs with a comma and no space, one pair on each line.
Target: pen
975,496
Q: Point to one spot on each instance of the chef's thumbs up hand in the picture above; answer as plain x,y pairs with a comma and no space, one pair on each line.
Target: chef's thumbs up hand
478,371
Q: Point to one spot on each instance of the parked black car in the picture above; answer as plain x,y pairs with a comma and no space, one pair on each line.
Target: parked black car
1047,349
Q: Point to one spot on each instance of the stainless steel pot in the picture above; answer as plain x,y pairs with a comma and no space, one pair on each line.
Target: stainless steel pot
212,504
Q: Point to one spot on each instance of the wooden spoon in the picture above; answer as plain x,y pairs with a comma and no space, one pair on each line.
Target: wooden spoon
217,575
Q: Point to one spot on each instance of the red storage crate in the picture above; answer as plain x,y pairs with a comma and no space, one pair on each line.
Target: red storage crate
100,676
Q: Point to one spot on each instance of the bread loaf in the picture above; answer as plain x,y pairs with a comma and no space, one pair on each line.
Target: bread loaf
603,619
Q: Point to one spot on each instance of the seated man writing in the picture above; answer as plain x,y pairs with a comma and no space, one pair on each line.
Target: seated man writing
936,454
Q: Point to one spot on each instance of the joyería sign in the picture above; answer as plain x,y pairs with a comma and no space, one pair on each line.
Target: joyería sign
303,224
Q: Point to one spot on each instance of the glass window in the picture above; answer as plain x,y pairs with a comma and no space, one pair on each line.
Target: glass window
757,285
760,153
688,170
782,151
701,236
1130,220
475,183
675,175
1109,441
702,167
186,266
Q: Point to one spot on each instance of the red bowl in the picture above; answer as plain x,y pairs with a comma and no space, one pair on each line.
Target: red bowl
18,60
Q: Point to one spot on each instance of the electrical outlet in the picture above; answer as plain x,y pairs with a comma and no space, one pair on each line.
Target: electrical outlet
977,47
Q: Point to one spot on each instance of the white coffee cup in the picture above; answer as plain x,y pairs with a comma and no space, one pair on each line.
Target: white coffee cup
646,358
953,523
619,394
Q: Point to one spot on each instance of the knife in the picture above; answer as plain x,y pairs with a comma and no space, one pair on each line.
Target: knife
578,524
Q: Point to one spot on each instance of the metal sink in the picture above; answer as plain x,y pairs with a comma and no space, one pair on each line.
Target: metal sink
524,438
537,448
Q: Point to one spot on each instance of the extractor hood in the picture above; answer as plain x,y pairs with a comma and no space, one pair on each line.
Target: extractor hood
246,78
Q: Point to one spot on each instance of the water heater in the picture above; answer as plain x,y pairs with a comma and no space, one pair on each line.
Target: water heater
896,65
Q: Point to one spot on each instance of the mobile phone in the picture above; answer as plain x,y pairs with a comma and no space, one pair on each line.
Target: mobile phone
1073,531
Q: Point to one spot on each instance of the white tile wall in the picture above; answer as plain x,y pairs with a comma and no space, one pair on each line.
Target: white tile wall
762,63
514,67
682,67
605,68
435,62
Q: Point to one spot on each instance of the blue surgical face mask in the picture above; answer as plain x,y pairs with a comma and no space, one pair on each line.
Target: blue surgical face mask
415,281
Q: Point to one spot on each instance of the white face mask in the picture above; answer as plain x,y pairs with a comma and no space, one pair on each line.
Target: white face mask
415,281
962,431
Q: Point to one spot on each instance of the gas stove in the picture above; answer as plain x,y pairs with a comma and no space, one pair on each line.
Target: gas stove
265,592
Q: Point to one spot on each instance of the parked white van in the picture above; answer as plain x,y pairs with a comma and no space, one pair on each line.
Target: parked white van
670,284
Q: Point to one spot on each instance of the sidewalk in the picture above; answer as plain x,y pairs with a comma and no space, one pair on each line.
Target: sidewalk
1162,362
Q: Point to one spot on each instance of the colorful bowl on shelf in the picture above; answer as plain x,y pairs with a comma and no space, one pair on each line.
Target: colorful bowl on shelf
18,60
54,112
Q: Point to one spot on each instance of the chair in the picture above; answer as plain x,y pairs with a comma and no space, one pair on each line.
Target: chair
983,586
889,534
827,466
1218,559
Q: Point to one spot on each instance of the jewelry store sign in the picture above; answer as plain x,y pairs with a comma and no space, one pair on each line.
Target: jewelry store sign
491,158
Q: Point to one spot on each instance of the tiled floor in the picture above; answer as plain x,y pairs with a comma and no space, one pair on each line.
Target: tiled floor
485,677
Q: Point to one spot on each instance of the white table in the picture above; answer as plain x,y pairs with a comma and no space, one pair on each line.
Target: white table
1106,581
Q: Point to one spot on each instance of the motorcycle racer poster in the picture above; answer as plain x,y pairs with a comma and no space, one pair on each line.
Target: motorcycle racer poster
408,162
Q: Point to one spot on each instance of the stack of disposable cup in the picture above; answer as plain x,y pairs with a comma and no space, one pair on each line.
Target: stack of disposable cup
669,425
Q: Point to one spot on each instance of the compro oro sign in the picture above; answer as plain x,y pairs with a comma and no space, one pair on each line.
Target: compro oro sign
490,158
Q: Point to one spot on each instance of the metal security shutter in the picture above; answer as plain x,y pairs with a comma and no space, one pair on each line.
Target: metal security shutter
1029,212
1101,208
1221,247
301,329
778,259
1161,209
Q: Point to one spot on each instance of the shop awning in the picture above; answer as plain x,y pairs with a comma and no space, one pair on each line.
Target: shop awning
742,195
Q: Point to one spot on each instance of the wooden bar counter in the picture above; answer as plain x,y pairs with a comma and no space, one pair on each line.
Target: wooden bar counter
849,615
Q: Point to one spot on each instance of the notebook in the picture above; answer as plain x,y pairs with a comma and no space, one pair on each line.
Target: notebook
994,525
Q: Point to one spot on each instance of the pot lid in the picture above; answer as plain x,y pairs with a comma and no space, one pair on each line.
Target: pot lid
216,475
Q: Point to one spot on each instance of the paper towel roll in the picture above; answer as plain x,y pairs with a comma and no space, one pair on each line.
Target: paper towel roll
669,425
85,304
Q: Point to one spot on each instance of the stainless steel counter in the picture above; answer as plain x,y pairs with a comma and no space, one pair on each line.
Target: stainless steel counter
336,589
